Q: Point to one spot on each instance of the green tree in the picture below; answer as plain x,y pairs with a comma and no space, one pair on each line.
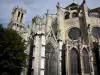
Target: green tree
12,55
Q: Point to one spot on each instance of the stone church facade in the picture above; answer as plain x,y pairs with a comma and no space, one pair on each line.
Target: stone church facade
65,43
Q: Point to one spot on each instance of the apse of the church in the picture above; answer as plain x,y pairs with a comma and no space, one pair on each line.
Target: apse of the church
65,43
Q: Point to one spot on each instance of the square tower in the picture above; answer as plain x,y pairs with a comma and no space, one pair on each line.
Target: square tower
17,19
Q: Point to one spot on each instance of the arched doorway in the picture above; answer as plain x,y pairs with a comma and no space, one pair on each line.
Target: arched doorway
86,61
50,60
74,62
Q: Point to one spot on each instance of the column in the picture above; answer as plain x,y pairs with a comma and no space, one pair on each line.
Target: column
99,48
91,63
60,56
36,55
42,57
81,61
70,15
15,15
22,21
19,18
68,61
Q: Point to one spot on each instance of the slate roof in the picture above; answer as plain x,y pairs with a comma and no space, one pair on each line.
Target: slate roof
72,5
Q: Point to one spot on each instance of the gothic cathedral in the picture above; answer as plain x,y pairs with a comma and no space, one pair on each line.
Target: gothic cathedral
65,43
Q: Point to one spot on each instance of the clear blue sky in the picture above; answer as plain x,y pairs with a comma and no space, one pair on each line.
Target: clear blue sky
36,7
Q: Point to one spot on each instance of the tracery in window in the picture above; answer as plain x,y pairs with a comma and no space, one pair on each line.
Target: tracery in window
74,60
86,61
74,33
50,60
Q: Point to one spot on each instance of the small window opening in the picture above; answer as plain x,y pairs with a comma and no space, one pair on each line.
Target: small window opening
67,15
74,14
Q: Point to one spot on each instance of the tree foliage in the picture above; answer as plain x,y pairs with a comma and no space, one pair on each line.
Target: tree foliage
12,55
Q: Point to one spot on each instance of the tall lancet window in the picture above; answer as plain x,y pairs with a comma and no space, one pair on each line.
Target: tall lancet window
50,60
86,61
74,60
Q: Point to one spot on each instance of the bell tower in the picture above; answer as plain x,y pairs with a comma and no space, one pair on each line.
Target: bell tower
17,19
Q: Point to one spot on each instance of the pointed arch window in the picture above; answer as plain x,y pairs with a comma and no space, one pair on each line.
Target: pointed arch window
74,60
67,14
50,60
74,14
86,61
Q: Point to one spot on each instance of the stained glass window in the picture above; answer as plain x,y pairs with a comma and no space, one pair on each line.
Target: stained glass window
86,61
74,33
50,60
74,60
